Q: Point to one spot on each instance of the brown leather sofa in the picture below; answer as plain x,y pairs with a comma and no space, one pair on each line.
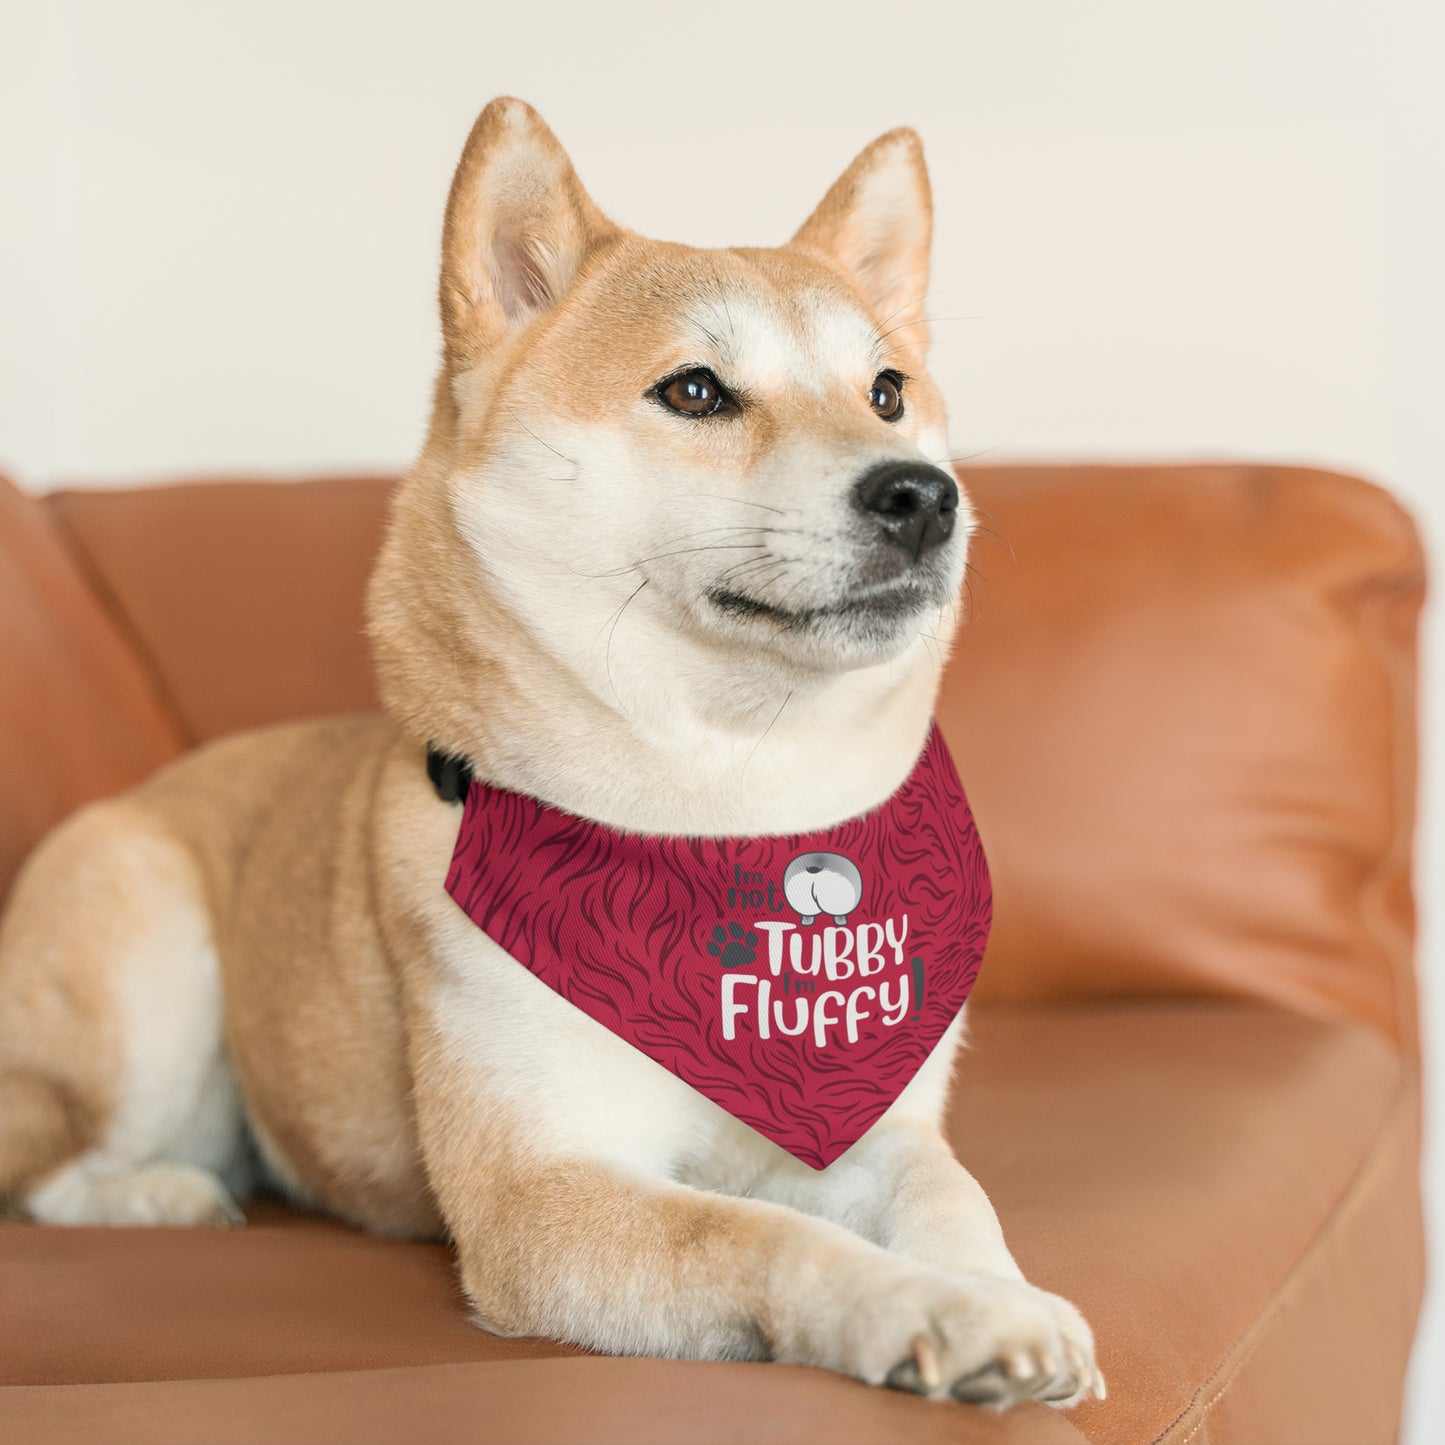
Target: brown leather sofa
1184,710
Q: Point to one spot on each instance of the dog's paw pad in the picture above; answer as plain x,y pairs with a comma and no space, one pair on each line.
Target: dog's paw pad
988,1386
1062,1390
919,1373
904,1376
733,945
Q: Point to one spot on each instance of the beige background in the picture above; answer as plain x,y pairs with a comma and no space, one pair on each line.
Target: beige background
1164,229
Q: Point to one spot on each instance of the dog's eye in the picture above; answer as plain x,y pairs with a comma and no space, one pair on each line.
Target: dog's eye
886,397
694,393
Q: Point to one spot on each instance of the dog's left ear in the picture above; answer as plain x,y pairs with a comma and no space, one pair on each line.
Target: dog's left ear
877,223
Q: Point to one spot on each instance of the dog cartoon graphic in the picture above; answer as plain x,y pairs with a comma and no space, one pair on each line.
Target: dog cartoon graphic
815,883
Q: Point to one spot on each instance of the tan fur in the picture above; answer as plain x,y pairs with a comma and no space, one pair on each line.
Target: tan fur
264,922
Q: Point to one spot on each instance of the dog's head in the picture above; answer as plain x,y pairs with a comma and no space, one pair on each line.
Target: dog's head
657,457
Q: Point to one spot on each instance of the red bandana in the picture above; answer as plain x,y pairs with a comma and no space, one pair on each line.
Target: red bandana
798,981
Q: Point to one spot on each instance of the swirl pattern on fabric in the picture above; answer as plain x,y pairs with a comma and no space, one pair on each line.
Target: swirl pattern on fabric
797,981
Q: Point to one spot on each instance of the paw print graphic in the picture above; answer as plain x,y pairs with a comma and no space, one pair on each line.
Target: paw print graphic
733,946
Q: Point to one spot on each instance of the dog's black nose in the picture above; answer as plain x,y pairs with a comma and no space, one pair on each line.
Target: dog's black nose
915,504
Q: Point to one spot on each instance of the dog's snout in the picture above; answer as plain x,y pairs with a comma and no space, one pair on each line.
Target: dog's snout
913,503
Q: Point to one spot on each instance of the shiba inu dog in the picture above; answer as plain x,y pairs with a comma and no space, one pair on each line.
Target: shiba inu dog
677,556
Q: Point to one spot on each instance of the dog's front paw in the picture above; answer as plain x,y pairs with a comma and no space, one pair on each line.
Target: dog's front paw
979,1338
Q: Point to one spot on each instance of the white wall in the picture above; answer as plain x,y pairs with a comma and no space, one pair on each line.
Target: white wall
1164,229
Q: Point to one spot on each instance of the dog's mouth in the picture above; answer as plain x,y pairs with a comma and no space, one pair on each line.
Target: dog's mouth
891,603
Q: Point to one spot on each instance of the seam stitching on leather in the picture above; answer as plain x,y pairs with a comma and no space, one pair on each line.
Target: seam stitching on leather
125,624
1243,1349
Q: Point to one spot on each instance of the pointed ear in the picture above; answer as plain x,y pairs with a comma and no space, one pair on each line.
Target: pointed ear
518,227
877,223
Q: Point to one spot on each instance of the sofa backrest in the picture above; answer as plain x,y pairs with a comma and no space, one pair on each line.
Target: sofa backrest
1184,710
1182,705
245,596
79,715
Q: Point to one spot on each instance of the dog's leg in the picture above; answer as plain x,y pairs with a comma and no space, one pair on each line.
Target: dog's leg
613,1258
116,1104
583,1252
901,1188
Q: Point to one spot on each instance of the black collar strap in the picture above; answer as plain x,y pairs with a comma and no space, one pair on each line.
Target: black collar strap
450,775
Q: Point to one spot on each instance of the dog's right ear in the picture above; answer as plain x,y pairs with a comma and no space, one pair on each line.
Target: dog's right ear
518,227
877,223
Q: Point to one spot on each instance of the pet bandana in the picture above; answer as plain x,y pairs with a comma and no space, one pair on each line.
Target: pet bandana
798,981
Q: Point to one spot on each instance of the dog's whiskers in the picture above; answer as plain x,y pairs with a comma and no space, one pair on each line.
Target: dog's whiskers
612,632
960,457
729,573
747,502
969,573
658,556
766,731
571,461
923,321
807,577
720,546
991,531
